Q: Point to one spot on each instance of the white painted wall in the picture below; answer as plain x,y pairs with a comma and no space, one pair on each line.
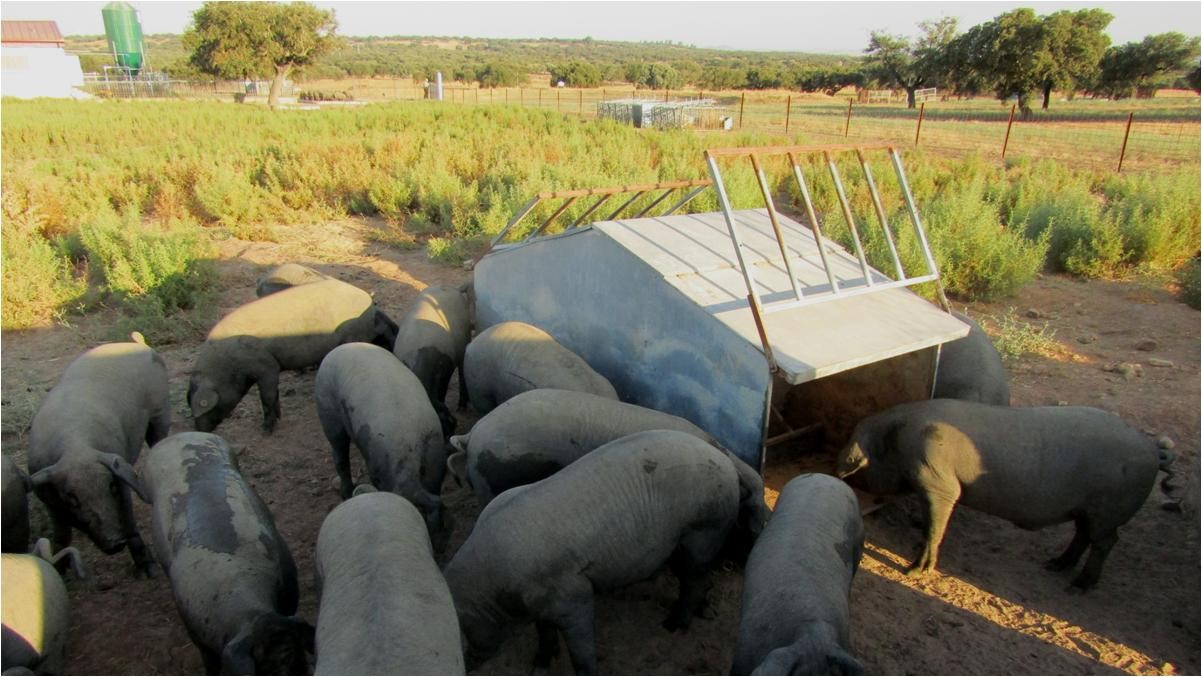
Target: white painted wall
28,72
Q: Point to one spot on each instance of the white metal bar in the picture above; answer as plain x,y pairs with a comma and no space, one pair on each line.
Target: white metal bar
880,214
732,227
625,204
685,200
847,293
521,214
850,218
819,240
780,239
922,235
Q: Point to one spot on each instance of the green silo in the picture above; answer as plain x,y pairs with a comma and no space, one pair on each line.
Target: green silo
124,34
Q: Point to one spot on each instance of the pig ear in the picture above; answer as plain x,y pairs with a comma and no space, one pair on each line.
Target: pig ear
41,477
203,401
840,663
457,465
124,472
238,656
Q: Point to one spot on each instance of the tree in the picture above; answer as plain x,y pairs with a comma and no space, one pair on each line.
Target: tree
1004,55
653,76
500,74
722,77
258,39
1073,44
576,74
1143,67
894,61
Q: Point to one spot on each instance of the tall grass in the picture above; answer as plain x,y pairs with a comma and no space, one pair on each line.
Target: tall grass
87,183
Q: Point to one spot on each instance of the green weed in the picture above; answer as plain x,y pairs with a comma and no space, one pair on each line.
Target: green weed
1016,337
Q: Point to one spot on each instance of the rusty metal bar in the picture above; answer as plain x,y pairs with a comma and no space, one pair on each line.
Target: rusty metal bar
1126,135
686,199
793,433
757,311
922,109
781,150
847,216
655,203
1009,124
625,204
880,215
922,236
517,217
611,190
590,210
819,240
780,239
563,208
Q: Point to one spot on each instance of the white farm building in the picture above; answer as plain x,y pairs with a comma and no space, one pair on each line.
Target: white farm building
34,62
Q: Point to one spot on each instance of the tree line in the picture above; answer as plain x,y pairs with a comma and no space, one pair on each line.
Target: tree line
1018,54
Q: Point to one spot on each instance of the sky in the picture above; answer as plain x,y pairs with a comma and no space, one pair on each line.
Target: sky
803,26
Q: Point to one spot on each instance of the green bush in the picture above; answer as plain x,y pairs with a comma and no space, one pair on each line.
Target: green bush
39,282
1187,278
156,273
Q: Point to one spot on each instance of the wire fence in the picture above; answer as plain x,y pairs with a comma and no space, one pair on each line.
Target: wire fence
1102,135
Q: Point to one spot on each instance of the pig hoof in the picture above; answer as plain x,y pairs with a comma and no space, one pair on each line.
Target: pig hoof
917,571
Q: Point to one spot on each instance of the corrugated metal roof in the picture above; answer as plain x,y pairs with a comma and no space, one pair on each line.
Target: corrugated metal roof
30,32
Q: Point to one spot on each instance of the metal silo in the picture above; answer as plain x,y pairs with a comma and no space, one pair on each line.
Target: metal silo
124,34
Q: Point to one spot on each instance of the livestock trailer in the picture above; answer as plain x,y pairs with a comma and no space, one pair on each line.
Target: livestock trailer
750,323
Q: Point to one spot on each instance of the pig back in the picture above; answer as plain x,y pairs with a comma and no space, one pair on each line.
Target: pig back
621,510
512,357
104,400
35,615
802,565
300,324
215,537
379,579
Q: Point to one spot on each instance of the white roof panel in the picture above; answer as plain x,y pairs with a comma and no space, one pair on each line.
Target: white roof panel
694,253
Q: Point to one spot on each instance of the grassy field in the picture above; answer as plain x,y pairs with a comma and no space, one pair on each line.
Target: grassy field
119,199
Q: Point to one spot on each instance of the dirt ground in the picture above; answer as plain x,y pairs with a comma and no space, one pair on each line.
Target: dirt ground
991,609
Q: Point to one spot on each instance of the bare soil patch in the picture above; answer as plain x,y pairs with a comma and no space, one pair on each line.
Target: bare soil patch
991,609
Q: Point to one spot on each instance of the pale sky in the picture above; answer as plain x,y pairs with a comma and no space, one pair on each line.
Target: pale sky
810,26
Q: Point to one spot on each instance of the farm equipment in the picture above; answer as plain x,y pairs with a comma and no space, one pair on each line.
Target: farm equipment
746,322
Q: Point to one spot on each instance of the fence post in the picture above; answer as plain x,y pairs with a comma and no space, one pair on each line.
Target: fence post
540,98
742,100
557,93
665,95
521,97
1009,124
847,124
580,102
788,109
477,95
1123,153
922,109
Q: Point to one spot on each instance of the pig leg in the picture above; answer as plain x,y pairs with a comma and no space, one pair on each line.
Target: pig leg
340,447
1101,540
690,564
940,500
1075,549
159,428
462,404
548,646
569,606
212,661
269,396
143,561
62,537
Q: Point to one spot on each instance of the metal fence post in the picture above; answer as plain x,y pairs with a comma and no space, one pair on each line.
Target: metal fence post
1123,152
557,107
922,109
540,98
521,97
742,100
847,125
580,102
788,109
1009,124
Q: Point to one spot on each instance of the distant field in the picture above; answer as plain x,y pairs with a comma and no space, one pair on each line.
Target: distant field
1164,131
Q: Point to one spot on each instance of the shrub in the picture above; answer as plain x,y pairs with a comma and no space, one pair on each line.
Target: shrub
156,273
39,282
1016,337
1187,278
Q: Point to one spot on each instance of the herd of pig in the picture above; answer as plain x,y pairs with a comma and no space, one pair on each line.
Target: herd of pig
579,492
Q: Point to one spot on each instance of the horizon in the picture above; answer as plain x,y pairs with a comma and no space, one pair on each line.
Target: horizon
797,27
